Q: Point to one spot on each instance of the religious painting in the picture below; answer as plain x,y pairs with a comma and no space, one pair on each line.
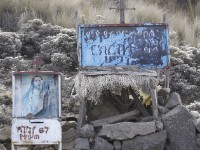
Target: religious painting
37,95
144,45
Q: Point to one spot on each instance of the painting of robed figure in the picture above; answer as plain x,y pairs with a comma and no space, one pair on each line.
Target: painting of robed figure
36,95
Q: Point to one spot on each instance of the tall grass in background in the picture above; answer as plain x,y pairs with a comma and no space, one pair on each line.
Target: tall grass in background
185,23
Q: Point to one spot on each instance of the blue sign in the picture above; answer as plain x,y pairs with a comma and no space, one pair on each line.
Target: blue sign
145,45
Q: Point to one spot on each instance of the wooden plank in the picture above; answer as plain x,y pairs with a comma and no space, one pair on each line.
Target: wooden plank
88,73
139,103
154,103
115,119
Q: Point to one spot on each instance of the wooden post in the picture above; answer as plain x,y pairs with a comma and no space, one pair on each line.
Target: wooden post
76,22
167,71
154,103
81,118
121,9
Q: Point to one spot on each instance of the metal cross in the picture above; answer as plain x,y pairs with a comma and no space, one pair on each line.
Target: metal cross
121,10
37,62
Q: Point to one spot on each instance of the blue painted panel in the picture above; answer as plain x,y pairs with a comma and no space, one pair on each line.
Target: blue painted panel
111,45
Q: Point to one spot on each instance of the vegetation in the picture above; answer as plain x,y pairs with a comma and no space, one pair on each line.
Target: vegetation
183,15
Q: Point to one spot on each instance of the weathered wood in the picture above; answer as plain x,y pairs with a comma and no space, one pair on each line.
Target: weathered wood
88,73
115,119
154,103
81,118
138,103
167,71
121,9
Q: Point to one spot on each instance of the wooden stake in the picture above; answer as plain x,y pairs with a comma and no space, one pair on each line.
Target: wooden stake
154,103
167,71
81,118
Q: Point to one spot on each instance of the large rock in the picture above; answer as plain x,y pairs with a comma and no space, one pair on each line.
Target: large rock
153,141
101,144
174,100
126,130
180,129
5,134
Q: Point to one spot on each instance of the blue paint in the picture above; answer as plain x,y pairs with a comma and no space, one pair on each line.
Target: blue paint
145,46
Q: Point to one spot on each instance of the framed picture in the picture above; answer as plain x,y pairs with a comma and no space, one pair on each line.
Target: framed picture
37,94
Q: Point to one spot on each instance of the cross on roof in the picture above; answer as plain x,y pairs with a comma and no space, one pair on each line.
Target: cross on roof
37,62
121,10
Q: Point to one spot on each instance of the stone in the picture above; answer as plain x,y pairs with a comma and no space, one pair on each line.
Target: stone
82,143
2,147
180,128
117,145
102,144
197,124
68,139
126,130
159,125
5,134
68,124
173,101
195,114
198,142
69,145
164,92
162,109
87,131
153,141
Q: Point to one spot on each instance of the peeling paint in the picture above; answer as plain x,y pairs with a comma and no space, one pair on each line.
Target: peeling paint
144,45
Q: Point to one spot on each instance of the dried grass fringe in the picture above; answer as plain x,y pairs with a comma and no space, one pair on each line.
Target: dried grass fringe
91,87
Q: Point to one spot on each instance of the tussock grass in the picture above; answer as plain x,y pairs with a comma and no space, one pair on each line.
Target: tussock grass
184,19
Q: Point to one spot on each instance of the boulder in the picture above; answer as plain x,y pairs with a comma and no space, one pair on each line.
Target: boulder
173,101
87,131
180,129
102,144
153,141
5,134
82,143
126,130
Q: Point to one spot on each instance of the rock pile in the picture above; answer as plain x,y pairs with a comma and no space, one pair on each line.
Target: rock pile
176,128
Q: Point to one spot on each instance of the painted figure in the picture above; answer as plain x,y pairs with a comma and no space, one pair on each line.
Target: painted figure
33,99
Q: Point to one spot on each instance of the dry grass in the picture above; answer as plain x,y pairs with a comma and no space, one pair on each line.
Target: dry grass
62,12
